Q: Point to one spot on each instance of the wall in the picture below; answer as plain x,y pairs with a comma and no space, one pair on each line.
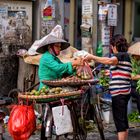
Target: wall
12,24
87,24
44,24
119,28
128,20
136,21
72,11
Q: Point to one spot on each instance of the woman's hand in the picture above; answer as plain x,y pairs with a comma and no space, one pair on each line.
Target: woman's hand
77,61
103,60
136,77
89,57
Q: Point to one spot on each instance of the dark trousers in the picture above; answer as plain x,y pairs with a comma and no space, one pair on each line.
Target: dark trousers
119,109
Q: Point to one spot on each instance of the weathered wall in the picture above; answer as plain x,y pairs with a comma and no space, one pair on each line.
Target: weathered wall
128,20
8,73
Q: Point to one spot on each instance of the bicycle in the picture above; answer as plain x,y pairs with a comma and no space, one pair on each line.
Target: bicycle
93,108
80,132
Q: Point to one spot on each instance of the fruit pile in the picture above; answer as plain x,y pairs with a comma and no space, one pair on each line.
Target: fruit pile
50,91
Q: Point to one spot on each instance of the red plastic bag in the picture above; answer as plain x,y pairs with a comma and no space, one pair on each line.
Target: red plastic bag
22,122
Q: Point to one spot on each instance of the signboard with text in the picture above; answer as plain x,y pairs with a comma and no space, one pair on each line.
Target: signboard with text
112,15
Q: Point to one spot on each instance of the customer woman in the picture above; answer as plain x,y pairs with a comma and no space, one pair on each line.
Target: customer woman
50,67
120,86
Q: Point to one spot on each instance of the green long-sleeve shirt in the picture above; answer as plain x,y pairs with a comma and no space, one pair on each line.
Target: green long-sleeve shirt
51,68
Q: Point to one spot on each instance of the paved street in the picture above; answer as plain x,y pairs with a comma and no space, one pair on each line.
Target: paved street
109,131
110,134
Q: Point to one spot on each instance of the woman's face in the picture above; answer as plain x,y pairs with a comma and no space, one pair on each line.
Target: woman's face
114,50
57,48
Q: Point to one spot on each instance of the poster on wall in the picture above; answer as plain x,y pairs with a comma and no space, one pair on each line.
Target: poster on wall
86,26
47,27
112,15
3,20
50,15
16,22
102,13
48,10
87,7
105,35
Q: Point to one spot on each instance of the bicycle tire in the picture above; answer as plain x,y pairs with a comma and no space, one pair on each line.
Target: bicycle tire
42,137
1,137
79,132
98,121
14,94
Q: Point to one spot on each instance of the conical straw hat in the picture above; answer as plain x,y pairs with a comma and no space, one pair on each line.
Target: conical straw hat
134,49
50,40
55,36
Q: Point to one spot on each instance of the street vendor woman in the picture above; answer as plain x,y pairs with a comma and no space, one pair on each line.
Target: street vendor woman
50,66
120,82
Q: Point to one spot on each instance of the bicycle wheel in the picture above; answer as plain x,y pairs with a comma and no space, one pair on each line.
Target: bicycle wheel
98,121
14,94
79,131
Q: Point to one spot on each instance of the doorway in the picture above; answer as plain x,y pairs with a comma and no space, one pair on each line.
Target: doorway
136,21
78,22
72,31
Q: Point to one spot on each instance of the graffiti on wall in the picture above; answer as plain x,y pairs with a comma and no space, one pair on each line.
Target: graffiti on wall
15,23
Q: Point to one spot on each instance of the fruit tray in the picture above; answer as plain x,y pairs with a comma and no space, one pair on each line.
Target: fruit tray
50,97
69,82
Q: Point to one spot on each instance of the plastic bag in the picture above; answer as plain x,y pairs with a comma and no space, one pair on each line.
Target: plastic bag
62,120
99,49
84,71
22,122
81,54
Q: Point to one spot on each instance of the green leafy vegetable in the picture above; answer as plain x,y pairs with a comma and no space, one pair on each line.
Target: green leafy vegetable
134,117
136,70
135,67
103,79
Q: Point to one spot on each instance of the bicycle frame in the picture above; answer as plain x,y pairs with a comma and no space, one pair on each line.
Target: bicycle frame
80,132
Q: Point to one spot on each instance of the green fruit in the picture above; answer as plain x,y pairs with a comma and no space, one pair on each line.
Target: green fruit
37,93
32,92
43,93
46,90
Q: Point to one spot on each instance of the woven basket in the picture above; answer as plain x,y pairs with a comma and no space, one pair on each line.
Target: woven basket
69,83
50,97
